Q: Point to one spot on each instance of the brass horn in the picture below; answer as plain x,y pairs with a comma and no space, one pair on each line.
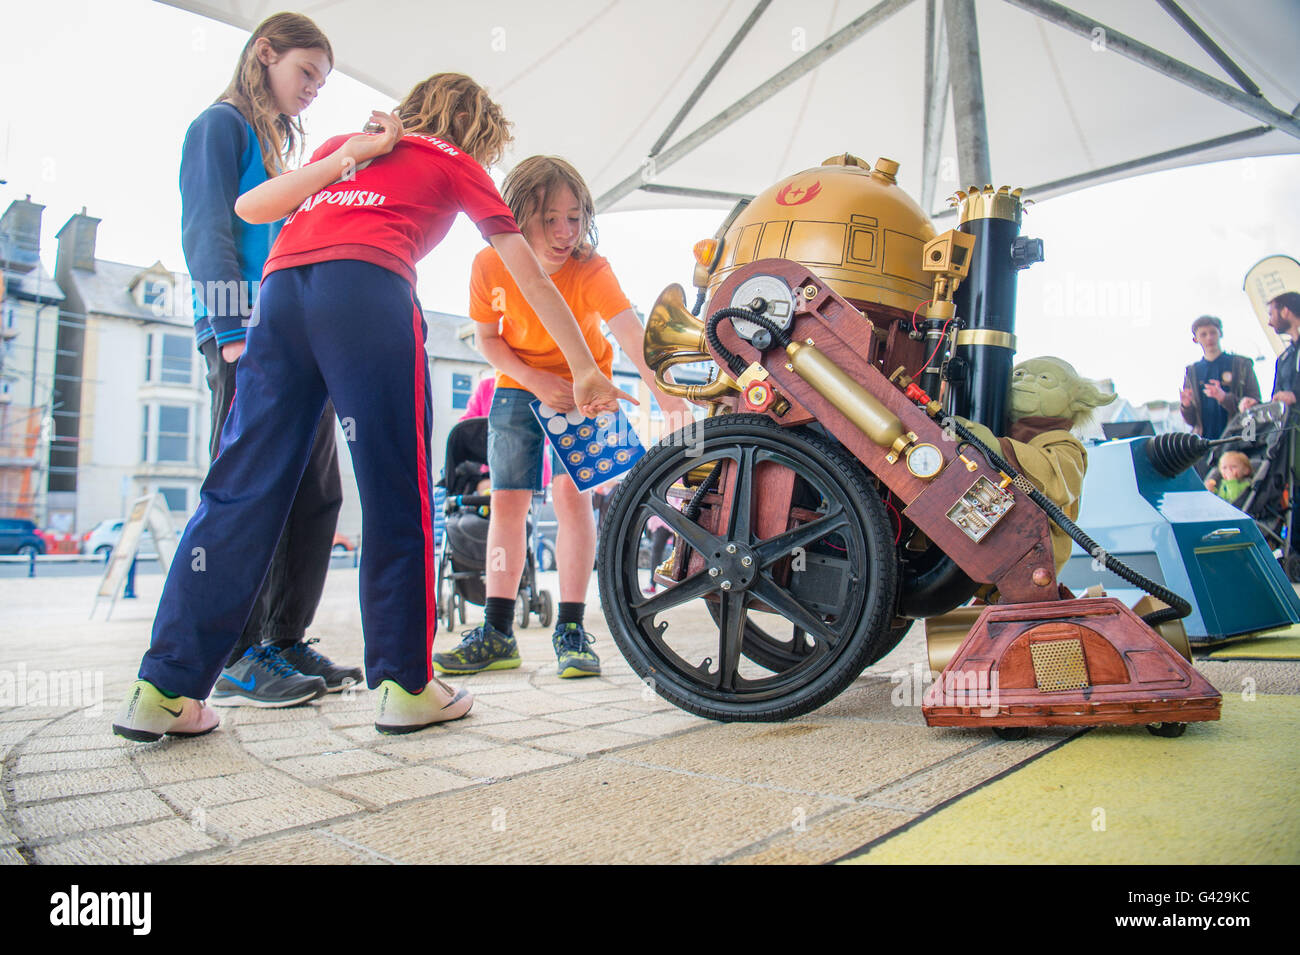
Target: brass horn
673,336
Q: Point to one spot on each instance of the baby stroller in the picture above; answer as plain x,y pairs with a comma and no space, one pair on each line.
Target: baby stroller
1263,435
463,563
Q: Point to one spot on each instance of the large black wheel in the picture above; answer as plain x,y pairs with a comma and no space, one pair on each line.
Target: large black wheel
768,627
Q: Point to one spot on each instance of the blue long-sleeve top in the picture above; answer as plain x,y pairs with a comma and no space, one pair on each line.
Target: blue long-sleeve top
221,160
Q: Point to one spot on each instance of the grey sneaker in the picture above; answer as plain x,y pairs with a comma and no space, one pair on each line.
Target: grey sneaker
573,656
262,677
309,662
483,648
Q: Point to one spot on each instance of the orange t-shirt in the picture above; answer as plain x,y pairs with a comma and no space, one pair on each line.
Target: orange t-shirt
588,287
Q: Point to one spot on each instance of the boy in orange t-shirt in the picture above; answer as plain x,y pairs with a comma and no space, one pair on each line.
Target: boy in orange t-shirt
555,211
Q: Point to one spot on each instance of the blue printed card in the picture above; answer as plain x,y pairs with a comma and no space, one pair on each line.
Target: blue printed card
592,450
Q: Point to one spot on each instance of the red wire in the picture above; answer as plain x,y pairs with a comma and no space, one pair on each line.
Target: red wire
889,503
917,309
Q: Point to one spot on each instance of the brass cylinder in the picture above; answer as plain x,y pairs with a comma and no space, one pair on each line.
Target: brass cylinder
849,398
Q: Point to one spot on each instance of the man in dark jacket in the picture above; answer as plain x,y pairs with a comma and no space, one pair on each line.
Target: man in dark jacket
1215,386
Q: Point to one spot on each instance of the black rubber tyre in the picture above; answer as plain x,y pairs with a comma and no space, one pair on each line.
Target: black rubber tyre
338,550
839,643
545,610
1167,730
521,612
1011,733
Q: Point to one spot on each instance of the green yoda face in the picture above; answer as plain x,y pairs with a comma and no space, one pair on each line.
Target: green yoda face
1050,388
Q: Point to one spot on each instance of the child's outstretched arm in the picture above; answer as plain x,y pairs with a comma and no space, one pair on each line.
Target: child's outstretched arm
592,391
278,197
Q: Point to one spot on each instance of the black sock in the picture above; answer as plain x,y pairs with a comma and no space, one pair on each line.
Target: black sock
570,613
500,614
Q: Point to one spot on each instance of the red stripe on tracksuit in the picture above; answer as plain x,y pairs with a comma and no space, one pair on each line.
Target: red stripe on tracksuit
426,505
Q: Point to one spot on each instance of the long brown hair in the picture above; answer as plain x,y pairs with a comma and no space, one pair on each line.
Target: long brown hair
279,136
529,186
457,110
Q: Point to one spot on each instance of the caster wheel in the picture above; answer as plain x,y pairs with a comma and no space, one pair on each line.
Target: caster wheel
1011,732
460,609
545,610
793,615
1167,730
521,612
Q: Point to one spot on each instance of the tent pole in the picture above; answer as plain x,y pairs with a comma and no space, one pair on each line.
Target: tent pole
967,81
714,70
936,102
765,91
1207,44
1113,40
1087,177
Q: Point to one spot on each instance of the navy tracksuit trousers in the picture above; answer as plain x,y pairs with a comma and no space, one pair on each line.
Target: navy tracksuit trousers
354,333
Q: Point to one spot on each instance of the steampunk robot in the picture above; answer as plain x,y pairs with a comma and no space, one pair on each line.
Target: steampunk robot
828,500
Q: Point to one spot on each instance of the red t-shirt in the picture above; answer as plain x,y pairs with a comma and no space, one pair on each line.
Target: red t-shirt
395,209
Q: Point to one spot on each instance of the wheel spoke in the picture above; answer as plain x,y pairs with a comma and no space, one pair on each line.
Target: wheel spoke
731,634
690,588
692,533
783,603
742,501
782,545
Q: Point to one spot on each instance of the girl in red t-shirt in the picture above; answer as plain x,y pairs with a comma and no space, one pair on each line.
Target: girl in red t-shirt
337,318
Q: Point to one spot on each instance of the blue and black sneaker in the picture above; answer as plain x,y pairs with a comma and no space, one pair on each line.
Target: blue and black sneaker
573,655
310,662
262,677
483,648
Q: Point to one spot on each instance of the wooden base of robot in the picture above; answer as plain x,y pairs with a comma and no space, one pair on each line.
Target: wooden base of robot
1080,662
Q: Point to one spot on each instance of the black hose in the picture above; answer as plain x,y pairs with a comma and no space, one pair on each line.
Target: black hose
736,364
692,509
699,302
1178,607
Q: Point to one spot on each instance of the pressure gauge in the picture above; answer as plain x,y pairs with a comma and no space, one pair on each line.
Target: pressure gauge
925,461
774,292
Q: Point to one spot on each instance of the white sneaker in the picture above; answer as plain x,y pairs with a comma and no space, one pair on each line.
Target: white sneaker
402,712
148,713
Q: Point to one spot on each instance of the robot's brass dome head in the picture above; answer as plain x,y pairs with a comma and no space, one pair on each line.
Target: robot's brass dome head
850,225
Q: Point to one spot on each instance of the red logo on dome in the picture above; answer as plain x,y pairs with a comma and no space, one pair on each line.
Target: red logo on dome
794,195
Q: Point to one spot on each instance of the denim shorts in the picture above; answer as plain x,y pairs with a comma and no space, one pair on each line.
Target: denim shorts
516,443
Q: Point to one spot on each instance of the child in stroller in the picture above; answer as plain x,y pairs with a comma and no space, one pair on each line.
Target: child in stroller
1263,434
463,564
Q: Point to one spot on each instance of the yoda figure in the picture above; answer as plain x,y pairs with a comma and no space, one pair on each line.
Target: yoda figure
1048,398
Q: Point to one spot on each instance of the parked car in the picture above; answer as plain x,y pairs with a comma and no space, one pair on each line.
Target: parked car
102,538
18,536
342,544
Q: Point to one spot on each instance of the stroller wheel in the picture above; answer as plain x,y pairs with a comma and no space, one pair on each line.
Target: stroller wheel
545,610
521,612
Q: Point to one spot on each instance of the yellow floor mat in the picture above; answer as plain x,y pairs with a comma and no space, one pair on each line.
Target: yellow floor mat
1223,793
1280,644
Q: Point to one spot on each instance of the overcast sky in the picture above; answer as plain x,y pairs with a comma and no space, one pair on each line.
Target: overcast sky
97,95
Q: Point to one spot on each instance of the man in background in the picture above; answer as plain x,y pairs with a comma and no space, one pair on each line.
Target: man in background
1215,387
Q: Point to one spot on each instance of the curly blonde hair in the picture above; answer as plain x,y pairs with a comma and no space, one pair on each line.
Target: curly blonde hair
530,184
454,108
279,136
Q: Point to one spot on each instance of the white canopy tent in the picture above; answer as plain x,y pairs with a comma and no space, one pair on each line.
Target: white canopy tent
678,103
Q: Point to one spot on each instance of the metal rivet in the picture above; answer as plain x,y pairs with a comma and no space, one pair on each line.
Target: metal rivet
726,585
731,548
713,571
810,291
746,561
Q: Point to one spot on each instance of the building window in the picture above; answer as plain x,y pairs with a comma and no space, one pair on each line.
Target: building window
177,352
462,386
148,359
144,440
177,498
155,292
173,434
11,316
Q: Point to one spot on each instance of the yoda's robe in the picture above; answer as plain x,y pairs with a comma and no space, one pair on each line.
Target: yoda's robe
1054,461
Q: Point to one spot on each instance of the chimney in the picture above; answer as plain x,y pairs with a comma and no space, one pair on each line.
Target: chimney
77,242
20,235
